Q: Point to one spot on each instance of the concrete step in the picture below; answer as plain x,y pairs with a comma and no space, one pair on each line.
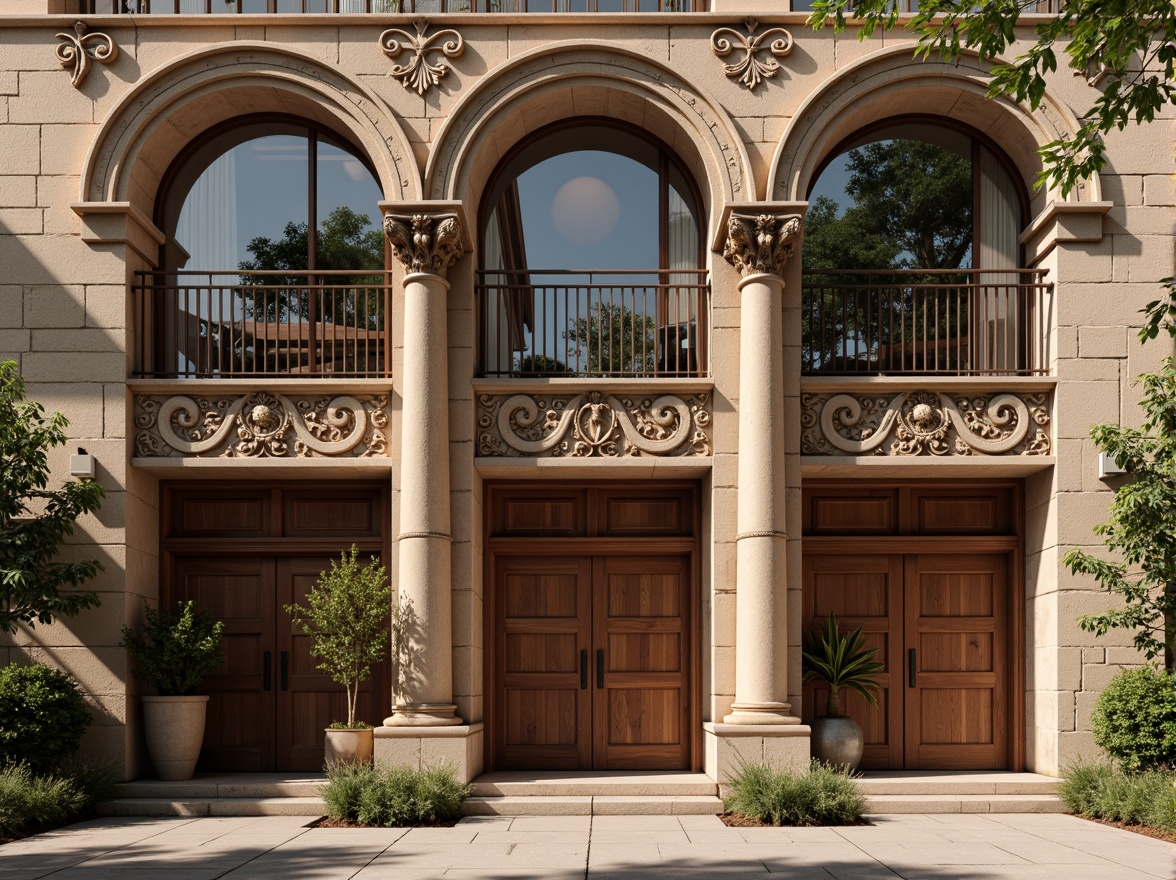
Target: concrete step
596,805
924,782
618,784
892,804
214,806
228,785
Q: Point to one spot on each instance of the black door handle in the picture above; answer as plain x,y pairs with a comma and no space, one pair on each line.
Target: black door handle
600,667
911,667
584,670
285,670
267,664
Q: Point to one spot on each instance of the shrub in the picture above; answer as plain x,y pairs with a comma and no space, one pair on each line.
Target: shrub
818,795
175,649
1101,791
393,796
1135,718
28,800
42,717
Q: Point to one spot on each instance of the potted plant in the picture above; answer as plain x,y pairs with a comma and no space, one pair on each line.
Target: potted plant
841,661
346,616
173,652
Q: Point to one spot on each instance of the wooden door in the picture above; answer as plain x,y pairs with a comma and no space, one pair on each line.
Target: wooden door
957,644
641,717
592,659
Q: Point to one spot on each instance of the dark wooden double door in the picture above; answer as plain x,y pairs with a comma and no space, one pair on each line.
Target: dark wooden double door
593,661
244,553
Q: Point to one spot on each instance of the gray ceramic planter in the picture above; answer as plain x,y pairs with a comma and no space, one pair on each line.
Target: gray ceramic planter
838,741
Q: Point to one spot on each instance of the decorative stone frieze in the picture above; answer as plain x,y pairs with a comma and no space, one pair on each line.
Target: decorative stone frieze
78,48
761,243
419,73
260,425
594,425
425,242
750,69
925,423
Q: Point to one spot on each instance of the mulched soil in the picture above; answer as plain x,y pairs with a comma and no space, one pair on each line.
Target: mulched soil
742,820
328,822
30,830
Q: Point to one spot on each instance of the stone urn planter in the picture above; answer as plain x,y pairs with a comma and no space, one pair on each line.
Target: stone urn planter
348,745
175,731
841,661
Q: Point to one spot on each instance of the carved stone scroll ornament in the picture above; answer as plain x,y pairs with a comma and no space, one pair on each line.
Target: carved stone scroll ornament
419,73
593,425
925,423
261,425
761,243
425,242
81,46
750,70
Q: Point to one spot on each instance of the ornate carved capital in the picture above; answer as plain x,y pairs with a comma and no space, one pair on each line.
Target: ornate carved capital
78,48
750,70
260,425
419,73
425,242
925,423
761,243
594,425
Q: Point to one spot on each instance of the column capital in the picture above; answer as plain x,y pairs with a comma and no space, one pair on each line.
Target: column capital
761,242
426,236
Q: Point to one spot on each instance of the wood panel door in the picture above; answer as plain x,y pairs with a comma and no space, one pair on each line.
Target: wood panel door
941,624
268,705
592,659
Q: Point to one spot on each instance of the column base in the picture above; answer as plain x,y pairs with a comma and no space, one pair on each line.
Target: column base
419,747
761,713
728,747
423,715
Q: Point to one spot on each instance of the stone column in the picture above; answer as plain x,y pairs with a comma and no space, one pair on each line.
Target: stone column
759,246
427,245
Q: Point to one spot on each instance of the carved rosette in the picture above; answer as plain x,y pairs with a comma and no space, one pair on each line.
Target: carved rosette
425,242
593,425
751,70
260,425
925,423
761,243
77,49
419,73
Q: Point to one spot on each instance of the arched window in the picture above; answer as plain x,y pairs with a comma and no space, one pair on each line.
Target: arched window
591,259
274,257
913,259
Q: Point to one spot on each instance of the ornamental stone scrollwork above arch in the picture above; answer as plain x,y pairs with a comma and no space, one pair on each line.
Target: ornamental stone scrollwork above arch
750,70
912,423
594,425
76,50
419,73
261,425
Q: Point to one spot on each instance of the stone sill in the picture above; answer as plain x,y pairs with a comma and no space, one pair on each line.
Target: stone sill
278,384
454,731
863,467
626,467
726,730
574,385
949,384
190,467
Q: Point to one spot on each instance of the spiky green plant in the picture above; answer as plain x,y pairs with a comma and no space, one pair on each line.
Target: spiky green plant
842,661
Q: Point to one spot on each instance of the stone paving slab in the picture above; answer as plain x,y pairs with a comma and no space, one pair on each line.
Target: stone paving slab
916,847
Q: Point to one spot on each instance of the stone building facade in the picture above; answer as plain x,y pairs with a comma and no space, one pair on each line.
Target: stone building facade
611,545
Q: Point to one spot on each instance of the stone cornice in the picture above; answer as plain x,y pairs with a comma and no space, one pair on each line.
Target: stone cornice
1063,222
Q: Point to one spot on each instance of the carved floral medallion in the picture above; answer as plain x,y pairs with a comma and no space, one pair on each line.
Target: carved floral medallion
751,70
593,425
925,423
419,73
260,425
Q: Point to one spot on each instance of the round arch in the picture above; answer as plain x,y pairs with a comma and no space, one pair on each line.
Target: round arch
564,81
888,84
162,114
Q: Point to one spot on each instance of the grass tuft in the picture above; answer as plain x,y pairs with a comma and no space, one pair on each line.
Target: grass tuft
816,795
394,796
30,801
1099,790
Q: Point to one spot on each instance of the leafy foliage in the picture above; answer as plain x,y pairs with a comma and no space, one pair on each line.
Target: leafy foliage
393,796
347,617
42,717
29,801
1140,531
1135,719
175,650
35,519
615,341
814,795
842,661
1101,791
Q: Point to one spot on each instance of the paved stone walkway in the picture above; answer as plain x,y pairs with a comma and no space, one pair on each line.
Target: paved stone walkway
977,847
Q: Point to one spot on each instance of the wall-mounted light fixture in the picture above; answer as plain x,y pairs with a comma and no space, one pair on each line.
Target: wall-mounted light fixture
1108,467
81,465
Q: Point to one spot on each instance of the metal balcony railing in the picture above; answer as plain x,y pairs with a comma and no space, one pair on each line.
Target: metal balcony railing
623,323
951,322
295,7
237,324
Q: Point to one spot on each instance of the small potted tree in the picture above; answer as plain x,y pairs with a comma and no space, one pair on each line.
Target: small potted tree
346,616
173,652
841,661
